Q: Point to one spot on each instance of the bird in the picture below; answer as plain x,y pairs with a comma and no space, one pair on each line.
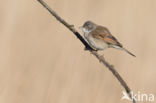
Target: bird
100,38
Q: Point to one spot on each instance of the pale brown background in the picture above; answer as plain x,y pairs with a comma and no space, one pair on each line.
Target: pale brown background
41,61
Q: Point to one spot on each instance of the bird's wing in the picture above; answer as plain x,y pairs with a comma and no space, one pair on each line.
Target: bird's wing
102,33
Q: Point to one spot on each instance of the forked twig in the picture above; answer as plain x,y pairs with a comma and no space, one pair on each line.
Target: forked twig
88,47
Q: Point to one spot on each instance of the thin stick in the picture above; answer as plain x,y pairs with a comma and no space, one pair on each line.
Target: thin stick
88,47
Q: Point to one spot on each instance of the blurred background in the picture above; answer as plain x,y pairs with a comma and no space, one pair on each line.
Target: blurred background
41,61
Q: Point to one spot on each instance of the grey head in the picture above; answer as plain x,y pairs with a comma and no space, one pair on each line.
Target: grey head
88,26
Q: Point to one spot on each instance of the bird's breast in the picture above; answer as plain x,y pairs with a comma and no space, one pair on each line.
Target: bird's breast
96,43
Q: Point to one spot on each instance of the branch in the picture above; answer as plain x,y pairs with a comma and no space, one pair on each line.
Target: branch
88,47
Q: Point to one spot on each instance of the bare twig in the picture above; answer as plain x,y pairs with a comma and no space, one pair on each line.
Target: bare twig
99,57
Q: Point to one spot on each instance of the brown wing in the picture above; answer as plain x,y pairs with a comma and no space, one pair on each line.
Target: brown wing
102,33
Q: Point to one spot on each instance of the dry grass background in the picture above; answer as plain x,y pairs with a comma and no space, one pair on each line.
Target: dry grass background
43,62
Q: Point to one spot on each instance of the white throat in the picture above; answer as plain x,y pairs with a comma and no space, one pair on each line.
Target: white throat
85,31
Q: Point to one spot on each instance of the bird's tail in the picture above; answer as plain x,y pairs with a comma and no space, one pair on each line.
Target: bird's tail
128,52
